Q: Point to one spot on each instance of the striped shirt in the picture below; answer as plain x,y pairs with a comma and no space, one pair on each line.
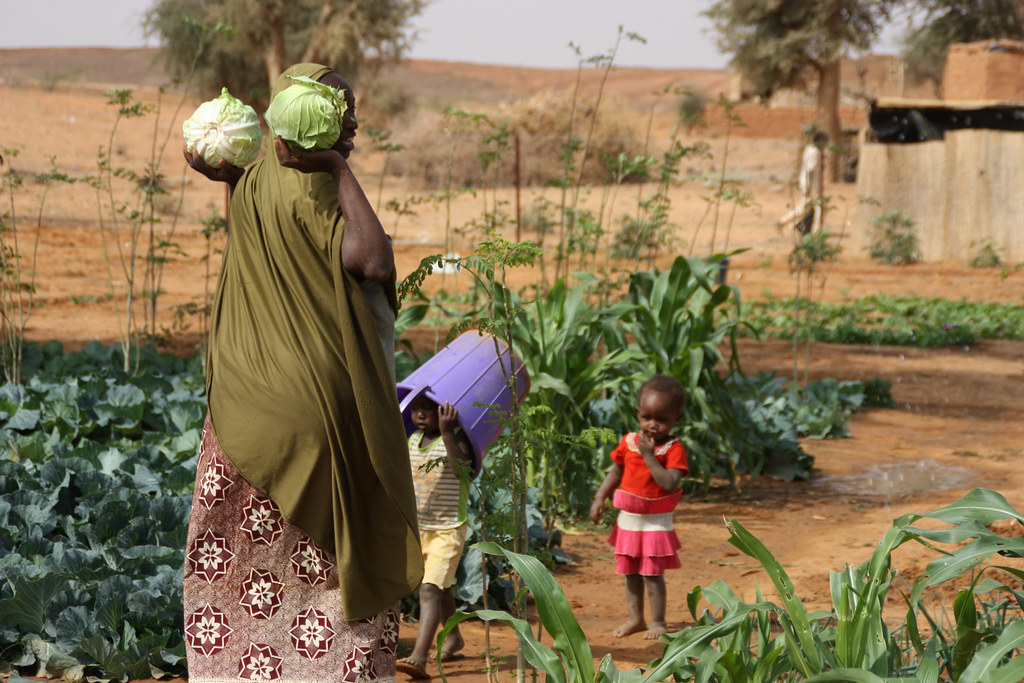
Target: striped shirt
441,494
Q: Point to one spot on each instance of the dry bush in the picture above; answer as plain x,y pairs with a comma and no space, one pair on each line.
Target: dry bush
385,101
434,142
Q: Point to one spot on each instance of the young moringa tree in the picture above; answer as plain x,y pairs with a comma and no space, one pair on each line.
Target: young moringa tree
267,36
792,44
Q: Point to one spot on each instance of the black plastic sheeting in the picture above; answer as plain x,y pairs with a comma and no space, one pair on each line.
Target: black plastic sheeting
919,124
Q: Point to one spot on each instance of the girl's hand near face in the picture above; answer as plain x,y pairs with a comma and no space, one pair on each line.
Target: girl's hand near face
646,445
667,479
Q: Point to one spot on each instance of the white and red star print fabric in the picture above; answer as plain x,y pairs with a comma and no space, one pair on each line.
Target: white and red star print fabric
261,597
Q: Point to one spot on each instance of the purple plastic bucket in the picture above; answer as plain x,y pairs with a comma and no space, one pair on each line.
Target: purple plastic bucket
468,372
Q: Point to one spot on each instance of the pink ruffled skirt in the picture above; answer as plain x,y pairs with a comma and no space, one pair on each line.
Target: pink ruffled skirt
645,544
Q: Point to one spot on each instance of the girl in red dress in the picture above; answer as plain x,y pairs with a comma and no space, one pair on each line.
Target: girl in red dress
647,466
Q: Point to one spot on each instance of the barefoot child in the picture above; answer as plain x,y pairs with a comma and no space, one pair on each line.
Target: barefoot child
647,466
440,464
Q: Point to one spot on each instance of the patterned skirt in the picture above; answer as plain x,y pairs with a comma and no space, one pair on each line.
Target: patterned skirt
645,543
261,597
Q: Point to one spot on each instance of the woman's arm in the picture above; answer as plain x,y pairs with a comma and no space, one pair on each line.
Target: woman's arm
366,250
607,487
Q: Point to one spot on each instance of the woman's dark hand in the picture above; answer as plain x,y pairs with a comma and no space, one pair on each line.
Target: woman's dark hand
225,173
293,156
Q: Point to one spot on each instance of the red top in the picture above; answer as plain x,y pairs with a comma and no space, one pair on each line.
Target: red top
636,477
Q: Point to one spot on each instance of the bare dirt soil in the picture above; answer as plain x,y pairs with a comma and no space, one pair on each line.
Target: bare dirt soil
957,423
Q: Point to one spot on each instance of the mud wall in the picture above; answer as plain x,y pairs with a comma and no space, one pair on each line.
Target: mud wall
985,70
961,192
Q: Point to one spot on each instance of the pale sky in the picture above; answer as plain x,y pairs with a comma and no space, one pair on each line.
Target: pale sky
514,32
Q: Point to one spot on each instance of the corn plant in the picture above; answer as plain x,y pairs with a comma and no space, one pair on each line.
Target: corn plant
679,322
733,641
569,659
579,365
853,642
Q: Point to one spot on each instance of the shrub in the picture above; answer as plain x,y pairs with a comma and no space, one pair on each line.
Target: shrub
987,255
894,239
692,105
437,145
386,100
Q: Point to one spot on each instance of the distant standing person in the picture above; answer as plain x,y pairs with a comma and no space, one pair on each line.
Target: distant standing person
644,477
807,216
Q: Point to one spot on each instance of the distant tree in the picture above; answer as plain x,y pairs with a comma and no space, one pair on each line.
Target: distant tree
797,44
246,44
937,24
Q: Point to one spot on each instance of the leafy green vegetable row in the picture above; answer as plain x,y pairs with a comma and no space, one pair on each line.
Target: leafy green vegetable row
95,491
888,320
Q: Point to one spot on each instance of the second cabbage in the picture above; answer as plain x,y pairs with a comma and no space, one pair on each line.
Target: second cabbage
224,129
307,113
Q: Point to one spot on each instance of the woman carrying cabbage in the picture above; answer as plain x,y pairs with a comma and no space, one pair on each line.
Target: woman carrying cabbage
303,531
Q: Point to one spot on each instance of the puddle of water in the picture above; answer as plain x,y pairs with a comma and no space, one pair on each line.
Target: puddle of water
897,479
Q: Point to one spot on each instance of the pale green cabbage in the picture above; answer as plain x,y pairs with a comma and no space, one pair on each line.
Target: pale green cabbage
307,113
224,129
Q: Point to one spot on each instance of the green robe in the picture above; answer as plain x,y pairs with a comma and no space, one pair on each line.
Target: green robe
300,395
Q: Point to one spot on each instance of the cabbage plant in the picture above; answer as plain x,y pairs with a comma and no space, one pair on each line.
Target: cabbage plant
307,113
224,129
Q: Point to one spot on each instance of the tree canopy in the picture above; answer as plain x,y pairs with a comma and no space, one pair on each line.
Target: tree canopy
246,44
797,44
937,24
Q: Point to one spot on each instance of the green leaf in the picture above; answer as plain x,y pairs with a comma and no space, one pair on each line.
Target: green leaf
805,652
967,557
24,419
985,665
981,505
53,663
684,645
112,604
536,653
846,676
123,407
607,672
26,608
554,612
111,460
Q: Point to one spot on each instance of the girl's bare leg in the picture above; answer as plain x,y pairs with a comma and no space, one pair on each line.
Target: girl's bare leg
635,603
656,595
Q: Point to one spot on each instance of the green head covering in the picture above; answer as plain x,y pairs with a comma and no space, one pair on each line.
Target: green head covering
301,398
307,69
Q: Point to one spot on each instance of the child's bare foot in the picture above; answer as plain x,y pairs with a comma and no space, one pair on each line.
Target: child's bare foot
452,644
629,627
657,629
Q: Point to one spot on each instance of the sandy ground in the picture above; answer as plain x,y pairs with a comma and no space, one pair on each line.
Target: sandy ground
957,423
